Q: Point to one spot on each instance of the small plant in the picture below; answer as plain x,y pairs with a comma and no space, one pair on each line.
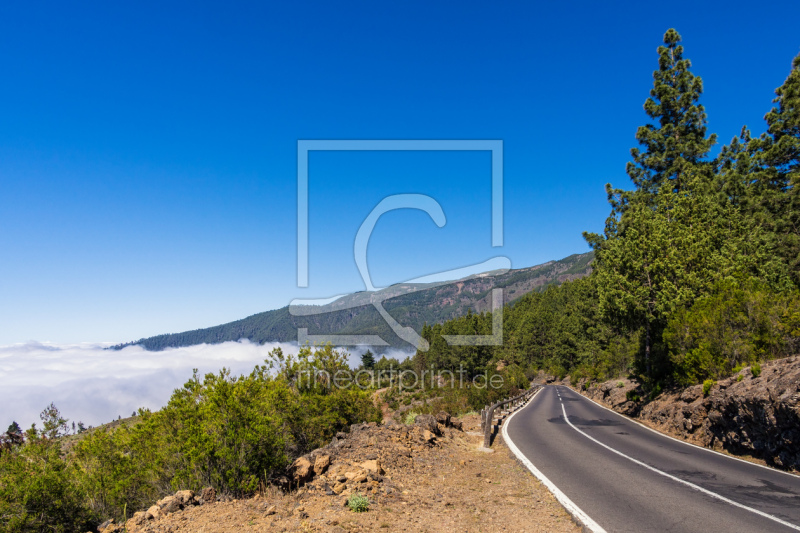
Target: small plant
755,369
656,391
737,368
410,417
740,377
620,384
358,503
632,396
707,384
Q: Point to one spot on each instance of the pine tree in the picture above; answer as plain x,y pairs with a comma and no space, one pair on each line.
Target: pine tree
677,141
735,172
674,147
784,129
368,360
660,244
54,425
778,151
14,428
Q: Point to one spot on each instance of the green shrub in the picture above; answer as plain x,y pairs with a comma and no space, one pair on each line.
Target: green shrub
452,400
586,372
531,372
117,469
739,322
558,371
656,391
358,503
755,369
740,377
409,418
632,395
38,491
620,384
707,384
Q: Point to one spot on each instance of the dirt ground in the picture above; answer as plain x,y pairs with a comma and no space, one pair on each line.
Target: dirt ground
445,485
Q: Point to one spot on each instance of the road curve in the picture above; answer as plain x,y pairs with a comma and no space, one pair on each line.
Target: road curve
625,477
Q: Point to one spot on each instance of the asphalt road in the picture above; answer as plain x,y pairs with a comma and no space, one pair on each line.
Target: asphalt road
625,477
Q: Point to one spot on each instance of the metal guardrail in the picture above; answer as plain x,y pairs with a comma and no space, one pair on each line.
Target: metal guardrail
487,414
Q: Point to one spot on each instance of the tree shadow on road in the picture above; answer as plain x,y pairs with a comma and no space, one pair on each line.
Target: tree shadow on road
582,422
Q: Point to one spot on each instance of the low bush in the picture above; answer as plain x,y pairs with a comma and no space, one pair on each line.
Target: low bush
38,491
409,418
632,396
358,503
655,392
707,384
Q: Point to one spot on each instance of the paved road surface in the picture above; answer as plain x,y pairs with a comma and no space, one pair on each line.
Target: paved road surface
626,477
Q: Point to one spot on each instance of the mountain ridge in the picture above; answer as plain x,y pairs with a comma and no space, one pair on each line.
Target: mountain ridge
411,304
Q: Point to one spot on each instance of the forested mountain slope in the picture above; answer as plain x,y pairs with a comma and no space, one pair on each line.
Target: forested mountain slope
411,305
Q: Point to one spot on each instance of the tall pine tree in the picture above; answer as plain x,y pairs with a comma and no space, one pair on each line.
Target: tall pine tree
778,151
676,142
657,252
674,146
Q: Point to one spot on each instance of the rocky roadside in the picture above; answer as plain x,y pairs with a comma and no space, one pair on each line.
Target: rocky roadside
757,417
424,477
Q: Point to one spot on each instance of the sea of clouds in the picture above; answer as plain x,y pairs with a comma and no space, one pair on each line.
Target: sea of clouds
94,385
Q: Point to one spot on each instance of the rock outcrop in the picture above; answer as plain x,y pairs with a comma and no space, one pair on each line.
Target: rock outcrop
165,506
745,414
358,461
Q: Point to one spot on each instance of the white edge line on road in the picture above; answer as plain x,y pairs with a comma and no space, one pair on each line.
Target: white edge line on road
562,498
657,432
679,480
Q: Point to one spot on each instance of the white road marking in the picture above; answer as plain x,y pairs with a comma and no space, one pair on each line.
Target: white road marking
562,498
695,446
679,480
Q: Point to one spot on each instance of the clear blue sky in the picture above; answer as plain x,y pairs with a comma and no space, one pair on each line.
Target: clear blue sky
148,151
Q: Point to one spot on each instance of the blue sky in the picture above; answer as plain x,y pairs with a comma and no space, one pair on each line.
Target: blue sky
148,151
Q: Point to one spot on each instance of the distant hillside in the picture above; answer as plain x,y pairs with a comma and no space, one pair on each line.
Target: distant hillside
351,315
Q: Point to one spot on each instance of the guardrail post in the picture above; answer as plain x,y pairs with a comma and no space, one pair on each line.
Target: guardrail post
487,433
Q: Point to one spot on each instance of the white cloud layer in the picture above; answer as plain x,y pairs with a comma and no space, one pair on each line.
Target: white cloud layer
91,384
95,385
